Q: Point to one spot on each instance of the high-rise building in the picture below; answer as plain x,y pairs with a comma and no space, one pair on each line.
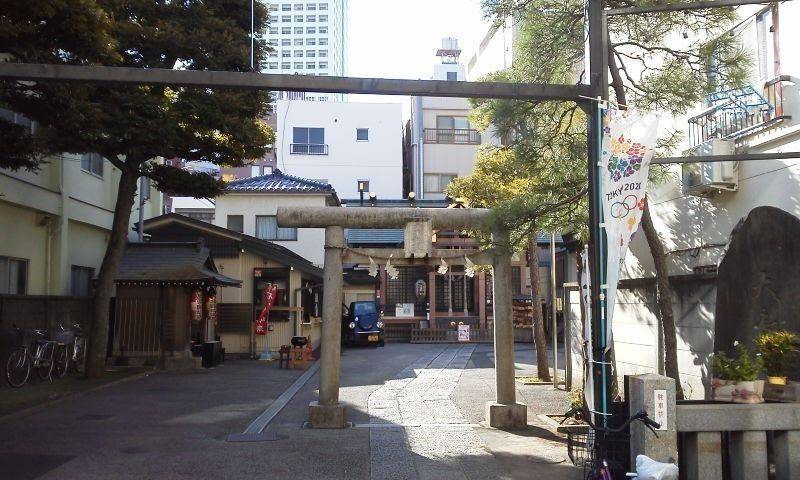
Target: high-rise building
307,38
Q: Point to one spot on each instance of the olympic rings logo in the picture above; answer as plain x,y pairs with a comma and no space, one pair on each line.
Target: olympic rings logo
623,208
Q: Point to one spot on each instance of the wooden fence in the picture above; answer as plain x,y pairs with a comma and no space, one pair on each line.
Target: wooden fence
44,311
398,332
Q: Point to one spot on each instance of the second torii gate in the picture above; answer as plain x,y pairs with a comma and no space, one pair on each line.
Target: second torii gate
505,412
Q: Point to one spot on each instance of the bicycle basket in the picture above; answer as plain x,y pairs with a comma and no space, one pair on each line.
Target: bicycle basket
579,447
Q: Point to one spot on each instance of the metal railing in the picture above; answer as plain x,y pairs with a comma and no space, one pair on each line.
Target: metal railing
739,112
460,136
308,148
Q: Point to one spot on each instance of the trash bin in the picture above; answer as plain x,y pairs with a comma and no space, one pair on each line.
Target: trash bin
211,354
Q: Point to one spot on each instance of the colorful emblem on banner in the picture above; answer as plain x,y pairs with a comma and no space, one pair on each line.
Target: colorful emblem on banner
628,142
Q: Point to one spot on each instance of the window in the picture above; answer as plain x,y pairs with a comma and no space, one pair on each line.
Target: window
298,6
272,65
298,41
437,182
452,76
286,7
449,122
323,6
273,7
323,18
311,18
273,30
323,30
323,41
298,30
298,53
81,281
323,53
18,119
267,229
236,223
309,141
298,65
272,54
516,280
286,18
311,6
286,54
311,53
298,18
286,30
311,41
362,134
323,64
323,99
273,42
311,30
13,276
311,65
286,42
286,65
92,163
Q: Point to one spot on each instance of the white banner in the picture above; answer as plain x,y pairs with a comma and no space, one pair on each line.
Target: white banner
588,381
628,142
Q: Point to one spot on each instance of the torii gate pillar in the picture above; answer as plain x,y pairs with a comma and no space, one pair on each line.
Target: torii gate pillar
504,413
328,412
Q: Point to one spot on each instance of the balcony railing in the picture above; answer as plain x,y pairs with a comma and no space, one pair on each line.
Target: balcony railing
460,136
739,112
308,148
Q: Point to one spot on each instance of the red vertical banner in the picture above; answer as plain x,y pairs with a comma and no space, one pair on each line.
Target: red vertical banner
269,297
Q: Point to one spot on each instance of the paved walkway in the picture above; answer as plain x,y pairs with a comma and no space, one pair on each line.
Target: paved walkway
417,411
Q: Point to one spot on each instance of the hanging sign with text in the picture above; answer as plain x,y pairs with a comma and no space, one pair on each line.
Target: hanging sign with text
628,142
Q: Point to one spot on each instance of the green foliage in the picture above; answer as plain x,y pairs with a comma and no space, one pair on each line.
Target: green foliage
575,398
743,367
777,349
131,124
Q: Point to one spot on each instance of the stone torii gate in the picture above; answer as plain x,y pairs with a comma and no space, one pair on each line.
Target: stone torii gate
505,412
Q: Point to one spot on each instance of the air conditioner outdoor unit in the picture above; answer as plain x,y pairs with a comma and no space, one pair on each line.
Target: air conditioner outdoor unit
710,178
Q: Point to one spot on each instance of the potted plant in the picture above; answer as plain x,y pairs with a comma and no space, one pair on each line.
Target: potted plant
736,379
777,349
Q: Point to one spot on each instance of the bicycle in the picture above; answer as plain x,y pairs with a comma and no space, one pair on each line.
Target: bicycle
21,361
71,350
608,447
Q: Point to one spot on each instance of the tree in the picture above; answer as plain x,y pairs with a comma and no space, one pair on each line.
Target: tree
133,125
644,73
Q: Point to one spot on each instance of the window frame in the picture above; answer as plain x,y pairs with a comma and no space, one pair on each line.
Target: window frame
96,163
359,131
228,222
291,230
23,271
81,269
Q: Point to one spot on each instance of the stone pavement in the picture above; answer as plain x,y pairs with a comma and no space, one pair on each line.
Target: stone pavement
416,411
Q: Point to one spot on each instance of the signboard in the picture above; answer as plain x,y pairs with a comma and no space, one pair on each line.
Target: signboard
660,408
463,333
628,142
404,310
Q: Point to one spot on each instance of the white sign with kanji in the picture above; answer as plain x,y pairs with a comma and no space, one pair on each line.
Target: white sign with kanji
660,408
463,333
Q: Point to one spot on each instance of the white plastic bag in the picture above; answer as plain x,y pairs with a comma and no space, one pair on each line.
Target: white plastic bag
649,469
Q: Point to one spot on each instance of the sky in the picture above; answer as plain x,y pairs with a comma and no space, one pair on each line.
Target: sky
399,38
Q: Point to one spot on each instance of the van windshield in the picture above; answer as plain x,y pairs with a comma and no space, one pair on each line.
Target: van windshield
364,308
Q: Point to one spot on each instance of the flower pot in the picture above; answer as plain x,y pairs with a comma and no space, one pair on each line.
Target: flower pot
749,391
778,380
722,390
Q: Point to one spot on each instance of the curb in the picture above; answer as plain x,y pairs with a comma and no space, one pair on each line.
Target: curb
74,395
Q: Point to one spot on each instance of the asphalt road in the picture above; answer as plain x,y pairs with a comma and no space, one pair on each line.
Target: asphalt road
415,408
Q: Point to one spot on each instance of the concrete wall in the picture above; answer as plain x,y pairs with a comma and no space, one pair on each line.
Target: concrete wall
310,241
696,230
58,217
380,159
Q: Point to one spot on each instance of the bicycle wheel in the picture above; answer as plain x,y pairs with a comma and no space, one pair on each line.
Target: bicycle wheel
62,361
79,355
18,368
45,368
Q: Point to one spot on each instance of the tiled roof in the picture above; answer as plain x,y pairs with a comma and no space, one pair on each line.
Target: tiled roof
170,262
279,182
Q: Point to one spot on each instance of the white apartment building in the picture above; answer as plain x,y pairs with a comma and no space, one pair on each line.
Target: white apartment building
442,144
308,38
342,143
55,223
495,52
699,209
